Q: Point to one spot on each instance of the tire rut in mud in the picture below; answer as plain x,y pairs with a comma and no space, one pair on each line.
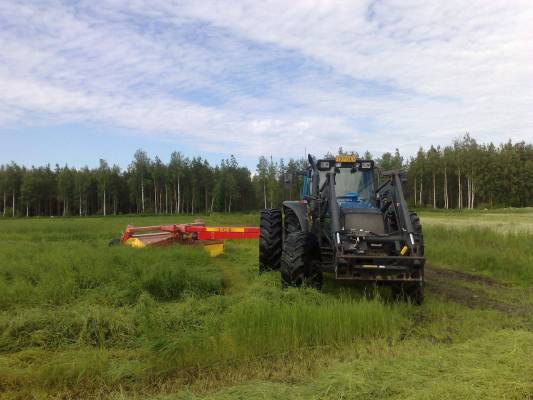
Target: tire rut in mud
446,284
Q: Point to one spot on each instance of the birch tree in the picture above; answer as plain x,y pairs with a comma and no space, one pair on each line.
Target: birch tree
262,173
103,179
139,174
65,188
13,183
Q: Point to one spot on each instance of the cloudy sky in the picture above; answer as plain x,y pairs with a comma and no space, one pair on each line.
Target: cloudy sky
83,80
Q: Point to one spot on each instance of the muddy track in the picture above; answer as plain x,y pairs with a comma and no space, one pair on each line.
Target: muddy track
447,284
438,273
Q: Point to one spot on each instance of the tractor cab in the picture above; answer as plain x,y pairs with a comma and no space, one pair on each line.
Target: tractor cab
354,191
354,180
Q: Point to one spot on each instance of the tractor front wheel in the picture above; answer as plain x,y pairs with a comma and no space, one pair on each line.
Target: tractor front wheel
419,236
270,240
300,261
290,222
412,292
416,293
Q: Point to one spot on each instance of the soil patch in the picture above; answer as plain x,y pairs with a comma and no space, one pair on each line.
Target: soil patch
445,283
439,273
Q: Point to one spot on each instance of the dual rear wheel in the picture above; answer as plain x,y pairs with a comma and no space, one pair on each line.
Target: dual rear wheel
297,257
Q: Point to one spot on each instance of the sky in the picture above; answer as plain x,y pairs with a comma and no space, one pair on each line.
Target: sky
84,80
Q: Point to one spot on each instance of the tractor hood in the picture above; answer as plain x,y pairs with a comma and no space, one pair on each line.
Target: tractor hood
358,214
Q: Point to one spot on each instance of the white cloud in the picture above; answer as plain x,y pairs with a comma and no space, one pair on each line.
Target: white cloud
274,77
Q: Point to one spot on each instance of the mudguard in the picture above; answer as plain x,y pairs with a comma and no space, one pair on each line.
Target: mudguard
300,210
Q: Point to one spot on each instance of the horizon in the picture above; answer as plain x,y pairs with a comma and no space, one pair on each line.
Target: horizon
407,158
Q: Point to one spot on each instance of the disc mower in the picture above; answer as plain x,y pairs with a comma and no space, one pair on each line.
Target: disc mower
210,237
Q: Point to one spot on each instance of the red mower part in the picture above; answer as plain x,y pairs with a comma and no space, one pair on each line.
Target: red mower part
211,237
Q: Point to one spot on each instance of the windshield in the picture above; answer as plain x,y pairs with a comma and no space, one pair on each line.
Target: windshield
360,182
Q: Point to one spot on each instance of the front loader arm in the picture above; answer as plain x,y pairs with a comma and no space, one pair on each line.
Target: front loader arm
400,205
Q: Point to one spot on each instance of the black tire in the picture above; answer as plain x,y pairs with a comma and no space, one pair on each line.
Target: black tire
291,224
300,261
413,291
419,237
270,240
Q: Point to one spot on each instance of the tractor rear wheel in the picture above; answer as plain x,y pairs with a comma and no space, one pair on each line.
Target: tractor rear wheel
300,261
270,240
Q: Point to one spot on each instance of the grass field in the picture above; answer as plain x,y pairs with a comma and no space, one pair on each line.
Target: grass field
79,319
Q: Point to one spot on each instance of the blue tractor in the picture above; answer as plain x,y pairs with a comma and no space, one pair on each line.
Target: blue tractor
345,226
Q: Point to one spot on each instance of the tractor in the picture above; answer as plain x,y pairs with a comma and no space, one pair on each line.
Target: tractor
345,227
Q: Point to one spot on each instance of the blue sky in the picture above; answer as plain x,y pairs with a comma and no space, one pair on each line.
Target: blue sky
83,80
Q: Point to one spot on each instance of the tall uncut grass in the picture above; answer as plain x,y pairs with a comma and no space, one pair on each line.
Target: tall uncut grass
505,256
262,326
268,322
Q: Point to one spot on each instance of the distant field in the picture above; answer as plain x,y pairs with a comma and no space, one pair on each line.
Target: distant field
496,243
500,221
79,319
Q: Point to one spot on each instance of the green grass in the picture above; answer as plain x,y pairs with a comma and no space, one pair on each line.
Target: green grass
79,319
508,257
494,366
59,273
514,220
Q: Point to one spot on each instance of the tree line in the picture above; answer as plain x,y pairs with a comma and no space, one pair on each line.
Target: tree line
463,175
467,175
